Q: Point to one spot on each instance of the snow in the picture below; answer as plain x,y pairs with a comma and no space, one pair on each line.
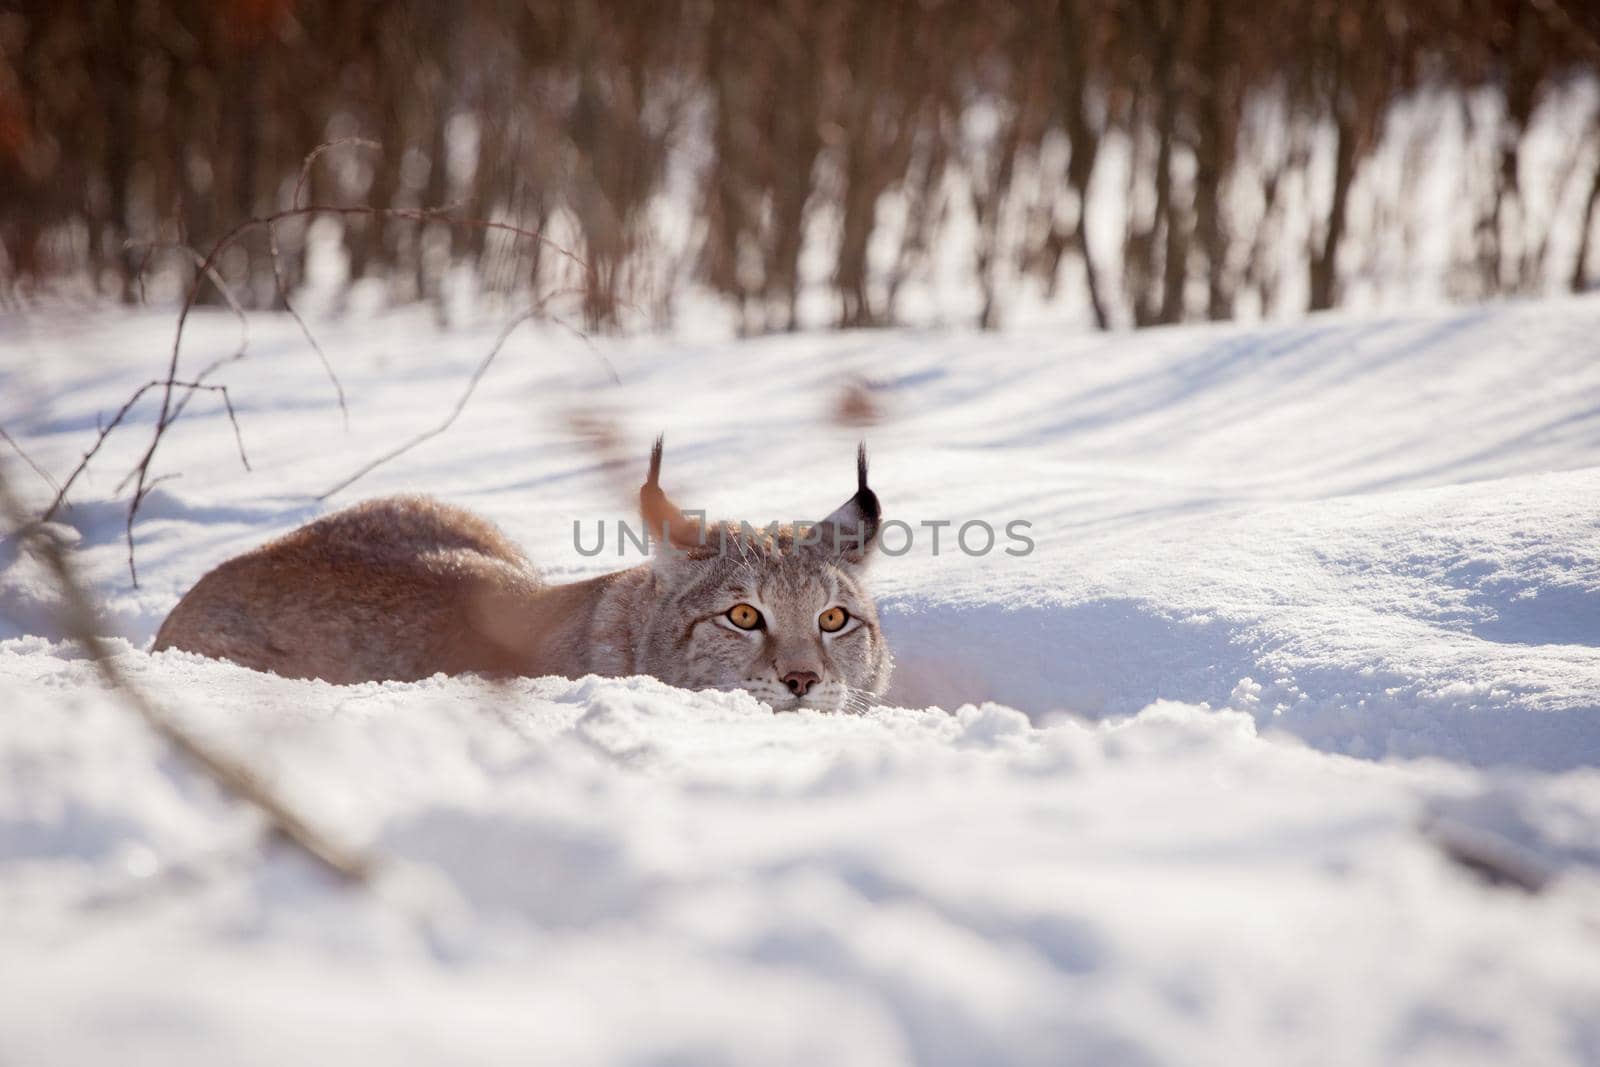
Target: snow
1312,608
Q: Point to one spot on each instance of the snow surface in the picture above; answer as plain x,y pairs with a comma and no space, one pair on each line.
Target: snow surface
1136,835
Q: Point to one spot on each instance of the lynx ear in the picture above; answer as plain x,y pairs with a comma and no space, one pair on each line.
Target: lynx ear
662,519
852,530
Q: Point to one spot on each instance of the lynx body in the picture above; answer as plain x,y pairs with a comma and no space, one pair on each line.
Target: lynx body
405,587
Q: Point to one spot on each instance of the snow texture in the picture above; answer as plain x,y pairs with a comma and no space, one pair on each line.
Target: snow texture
1313,615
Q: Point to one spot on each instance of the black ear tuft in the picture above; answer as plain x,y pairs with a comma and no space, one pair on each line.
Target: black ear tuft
852,529
653,480
866,499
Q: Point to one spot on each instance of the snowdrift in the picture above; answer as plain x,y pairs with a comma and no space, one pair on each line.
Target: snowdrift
1308,607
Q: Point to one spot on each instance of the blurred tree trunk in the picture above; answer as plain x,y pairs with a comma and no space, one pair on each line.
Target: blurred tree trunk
1579,281
990,179
878,133
797,121
1083,143
727,220
176,118
1324,266
117,56
1158,23
1506,225
1218,115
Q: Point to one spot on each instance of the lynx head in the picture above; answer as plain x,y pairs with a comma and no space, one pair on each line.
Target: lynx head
779,611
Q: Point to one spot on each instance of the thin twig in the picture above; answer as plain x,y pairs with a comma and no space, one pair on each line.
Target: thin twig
175,395
541,308
316,346
141,470
312,156
221,287
116,420
461,403
277,268
94,449
200,263
227,404
138,274
40,471
145,486
190,388
231,773
594,349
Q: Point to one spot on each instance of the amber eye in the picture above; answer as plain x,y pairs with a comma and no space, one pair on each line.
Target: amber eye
833,620
744,616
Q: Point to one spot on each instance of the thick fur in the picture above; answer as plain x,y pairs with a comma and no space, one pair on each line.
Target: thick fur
405,587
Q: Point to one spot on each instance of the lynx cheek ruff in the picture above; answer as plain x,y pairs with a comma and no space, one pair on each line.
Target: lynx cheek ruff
403,588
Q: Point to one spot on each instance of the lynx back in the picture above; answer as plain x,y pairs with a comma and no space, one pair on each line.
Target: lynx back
405,587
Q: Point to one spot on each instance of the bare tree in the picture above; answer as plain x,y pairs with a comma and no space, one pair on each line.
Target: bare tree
776,125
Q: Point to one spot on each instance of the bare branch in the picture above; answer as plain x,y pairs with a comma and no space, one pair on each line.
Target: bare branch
144,485
537,311
94,449
283,295
201,264
40,471
594,349
311,157
222,288
190,389
231,773
176,393
227,404
116,420
141,470
461,403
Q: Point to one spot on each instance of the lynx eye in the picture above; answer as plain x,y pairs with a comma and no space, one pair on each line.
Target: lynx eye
744,616
833,620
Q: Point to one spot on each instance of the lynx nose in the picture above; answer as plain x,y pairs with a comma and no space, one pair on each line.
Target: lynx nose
800,682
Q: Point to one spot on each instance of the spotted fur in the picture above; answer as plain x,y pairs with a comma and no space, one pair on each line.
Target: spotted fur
405,587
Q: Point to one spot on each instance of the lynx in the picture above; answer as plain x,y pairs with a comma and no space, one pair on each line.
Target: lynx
406,587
